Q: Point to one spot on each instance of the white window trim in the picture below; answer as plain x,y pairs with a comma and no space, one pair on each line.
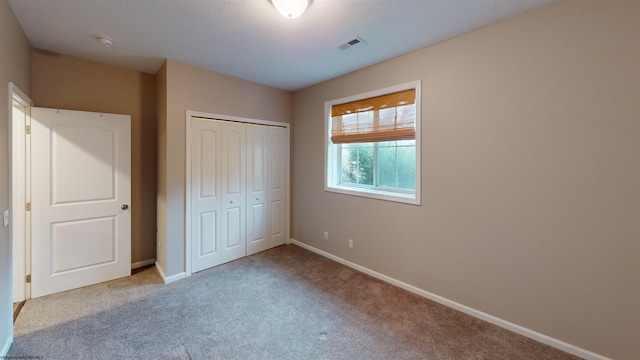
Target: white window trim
331,183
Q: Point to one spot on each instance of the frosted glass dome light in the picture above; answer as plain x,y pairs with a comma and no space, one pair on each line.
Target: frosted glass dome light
290,8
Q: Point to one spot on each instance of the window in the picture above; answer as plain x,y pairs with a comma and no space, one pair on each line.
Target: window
373,144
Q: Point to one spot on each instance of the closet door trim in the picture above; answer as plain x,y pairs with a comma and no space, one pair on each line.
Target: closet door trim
220,117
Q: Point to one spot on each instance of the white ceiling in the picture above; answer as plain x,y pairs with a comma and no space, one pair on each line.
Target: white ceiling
249,39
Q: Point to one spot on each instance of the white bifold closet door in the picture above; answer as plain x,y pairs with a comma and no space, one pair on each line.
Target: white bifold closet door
233,194
238,190
266,210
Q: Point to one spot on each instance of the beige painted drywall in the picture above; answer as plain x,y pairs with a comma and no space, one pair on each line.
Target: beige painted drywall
530,174
161,201
192,88
15,65
66,82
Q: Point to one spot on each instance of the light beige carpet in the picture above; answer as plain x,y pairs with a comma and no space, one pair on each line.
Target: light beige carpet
285,303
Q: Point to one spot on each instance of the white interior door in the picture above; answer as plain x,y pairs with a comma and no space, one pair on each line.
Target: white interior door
257,175
205,194
233,196
80,221
278,164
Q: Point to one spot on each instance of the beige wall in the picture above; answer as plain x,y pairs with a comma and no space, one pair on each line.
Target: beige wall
531,175
161,201
192,88
66,82
15,66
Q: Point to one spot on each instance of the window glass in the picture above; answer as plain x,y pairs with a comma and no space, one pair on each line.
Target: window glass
357,164
387,164
406,166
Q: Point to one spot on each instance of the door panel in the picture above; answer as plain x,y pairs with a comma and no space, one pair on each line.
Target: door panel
233,139
256,224
207,163
257,140
93,173
83,243
205,200
257,150
80,171
234,228
208,233
276,218
278,159
233,160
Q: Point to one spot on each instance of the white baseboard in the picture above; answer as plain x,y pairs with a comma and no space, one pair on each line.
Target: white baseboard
175,277
558,344
159,269
171,278
142,263
6,346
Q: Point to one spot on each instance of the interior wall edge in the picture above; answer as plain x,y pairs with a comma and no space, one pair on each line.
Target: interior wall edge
545,339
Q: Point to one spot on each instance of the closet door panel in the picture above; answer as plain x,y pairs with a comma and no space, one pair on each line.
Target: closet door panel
205,194
257,164
278,160
234,231
233,191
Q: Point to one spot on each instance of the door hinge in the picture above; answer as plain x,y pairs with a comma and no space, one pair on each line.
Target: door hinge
28,130
28,206
28,279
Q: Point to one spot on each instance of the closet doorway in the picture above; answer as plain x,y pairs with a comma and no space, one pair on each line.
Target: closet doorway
237,177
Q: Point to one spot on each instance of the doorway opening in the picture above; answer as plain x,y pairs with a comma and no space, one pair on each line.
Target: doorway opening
19,195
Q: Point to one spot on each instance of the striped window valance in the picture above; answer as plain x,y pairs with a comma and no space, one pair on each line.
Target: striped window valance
382,118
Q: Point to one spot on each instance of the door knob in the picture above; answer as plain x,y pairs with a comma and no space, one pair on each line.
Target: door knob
124,207
231,201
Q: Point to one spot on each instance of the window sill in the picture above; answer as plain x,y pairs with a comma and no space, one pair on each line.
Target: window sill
412,199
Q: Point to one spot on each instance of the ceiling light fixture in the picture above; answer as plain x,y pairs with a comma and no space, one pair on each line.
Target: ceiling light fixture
290,8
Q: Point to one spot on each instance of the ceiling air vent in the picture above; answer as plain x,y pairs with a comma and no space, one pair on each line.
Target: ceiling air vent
347,44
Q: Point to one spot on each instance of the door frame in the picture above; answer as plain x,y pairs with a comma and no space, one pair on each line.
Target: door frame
220,117
20,248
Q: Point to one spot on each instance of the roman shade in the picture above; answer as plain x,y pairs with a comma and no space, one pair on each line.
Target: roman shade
382,118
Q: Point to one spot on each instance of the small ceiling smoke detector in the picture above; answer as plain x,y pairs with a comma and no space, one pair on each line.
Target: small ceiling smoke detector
349,43
105,41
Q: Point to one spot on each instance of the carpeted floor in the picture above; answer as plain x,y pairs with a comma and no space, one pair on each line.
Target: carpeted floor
285,303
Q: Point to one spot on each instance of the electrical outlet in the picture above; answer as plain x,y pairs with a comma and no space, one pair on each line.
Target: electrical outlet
5,220
350,244
326,235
